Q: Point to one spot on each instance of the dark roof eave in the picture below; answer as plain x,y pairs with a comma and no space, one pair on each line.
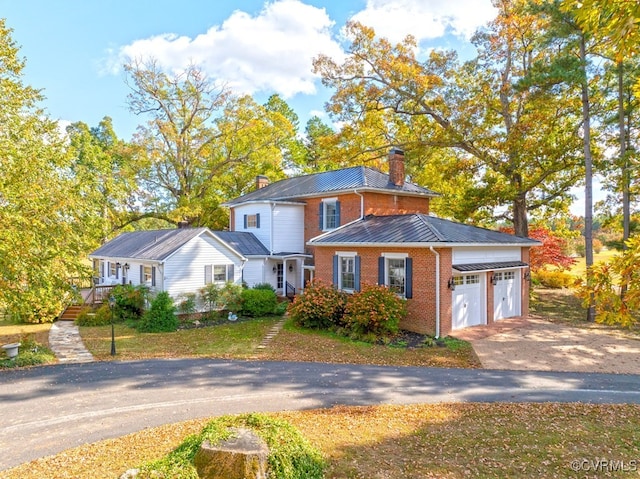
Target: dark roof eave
425,244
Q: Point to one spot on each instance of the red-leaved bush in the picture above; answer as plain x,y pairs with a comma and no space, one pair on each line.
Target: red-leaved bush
551,253
321,306
374,312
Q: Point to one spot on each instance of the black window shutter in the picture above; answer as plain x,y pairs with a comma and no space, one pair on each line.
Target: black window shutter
117,270
108,269
408,280
141,274
337,214
101,269
356,266
245,221
153,276
321,215
381,270
258,220
336,270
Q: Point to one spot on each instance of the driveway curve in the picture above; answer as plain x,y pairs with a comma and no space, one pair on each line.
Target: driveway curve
49,409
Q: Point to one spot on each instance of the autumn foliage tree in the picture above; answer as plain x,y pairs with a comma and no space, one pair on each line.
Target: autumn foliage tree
552,252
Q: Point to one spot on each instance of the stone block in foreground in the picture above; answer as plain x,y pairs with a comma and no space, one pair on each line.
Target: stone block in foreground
243,456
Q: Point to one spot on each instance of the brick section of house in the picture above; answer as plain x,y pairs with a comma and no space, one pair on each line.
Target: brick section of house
374,204
421,317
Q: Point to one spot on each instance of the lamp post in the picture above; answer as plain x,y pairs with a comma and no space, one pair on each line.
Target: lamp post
112,303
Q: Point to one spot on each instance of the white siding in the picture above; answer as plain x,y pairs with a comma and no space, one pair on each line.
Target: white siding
264,232
288,228
184,271
253,271
485,255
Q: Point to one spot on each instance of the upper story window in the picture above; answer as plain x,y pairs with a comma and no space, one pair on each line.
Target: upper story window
329,214
252,221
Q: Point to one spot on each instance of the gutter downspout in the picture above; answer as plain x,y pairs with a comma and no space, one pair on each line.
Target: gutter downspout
437,291
361,203
273,207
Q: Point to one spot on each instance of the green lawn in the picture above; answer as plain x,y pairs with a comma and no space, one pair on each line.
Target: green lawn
579,268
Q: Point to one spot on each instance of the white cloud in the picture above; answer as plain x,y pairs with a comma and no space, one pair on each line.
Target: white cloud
269,52
425,19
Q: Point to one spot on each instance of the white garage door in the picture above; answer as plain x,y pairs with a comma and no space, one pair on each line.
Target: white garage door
468,307
506,297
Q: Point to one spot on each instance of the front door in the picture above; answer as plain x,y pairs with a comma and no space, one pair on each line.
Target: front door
280,276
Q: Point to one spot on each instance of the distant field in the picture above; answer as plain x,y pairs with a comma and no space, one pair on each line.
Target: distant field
579,268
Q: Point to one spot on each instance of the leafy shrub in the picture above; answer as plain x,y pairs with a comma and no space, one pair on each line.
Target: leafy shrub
258,302
210,295
264,286
129,301
230,297
160,317
187,303
291,456
374,312
553,279
597,245
99,317
320,306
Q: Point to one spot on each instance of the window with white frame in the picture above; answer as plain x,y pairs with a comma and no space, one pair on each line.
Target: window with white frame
218,273
252,221
147,275
395,271
396,275
347,278
329,214
113,270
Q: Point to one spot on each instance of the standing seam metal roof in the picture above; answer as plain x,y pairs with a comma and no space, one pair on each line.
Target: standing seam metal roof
153,245
327,182
243,242
416,228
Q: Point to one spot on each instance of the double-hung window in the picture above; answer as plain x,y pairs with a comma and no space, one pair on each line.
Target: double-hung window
218,273
329,214
346,271
395,271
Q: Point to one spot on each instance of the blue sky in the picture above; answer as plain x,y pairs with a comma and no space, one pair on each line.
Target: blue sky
75,48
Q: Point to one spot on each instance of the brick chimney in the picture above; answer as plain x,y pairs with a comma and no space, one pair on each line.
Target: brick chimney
261,181
396,166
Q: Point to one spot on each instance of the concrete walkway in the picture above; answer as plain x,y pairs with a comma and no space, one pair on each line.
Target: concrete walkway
66,343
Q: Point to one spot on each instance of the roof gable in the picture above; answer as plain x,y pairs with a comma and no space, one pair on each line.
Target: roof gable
357,177
153,245
415,229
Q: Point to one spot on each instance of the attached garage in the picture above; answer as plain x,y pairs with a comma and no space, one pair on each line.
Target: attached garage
468,301
506,297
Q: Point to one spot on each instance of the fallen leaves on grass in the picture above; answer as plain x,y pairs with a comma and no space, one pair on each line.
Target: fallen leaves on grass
415,441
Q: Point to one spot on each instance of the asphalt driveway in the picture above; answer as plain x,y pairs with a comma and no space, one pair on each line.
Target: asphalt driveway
536,344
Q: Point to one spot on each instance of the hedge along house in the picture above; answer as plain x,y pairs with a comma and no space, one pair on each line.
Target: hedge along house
177,261
453,275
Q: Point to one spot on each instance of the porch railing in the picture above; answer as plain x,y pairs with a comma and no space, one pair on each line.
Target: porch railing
99,293
290,290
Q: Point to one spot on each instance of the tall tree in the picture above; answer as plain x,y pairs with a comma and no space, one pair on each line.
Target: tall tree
106,178
515,142
571,67
201,144
41,245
